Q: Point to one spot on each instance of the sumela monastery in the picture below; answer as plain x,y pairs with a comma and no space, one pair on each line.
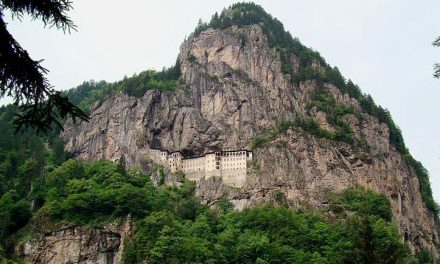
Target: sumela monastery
231,166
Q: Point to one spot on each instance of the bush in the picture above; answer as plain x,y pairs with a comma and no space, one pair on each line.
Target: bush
224,205
279,196
92,192
363,202
311,126
259,141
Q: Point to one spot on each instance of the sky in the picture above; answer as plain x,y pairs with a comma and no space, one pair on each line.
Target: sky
382,45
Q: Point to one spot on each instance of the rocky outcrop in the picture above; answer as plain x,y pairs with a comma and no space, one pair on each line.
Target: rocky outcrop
237,91
77,244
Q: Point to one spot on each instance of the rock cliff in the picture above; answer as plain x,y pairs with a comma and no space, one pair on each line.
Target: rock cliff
235,91
76,244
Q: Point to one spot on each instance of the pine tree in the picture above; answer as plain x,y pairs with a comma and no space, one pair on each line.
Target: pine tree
23,78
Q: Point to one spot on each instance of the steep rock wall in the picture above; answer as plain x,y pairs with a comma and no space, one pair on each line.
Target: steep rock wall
237,91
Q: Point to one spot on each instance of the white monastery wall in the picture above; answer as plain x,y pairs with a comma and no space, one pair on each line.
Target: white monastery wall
232,166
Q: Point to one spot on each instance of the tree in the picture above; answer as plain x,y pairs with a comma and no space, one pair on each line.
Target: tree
436,43
23,78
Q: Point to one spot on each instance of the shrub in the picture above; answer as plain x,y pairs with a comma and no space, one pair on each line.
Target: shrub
279,196
259,141
363,202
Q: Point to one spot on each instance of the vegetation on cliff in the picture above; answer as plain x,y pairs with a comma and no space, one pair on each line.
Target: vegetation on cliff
90,92
173,227
24,160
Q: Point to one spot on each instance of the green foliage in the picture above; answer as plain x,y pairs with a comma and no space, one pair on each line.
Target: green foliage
162,176
25,158
129,253
265,234
362,201
279,196
224,205
259,141
424,256
93,192
425,187
256,166
311,126
368,217
14,214
376,241
90,92
344,132
172,226
138,84
335,113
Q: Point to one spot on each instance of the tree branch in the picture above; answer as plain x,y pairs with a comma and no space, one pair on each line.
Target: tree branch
23,79
436,42
51,12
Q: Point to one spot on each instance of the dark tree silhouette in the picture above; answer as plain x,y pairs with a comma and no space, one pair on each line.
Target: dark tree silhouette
436,43
23,78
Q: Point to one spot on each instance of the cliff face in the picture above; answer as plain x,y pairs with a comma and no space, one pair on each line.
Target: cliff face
235,91
79,245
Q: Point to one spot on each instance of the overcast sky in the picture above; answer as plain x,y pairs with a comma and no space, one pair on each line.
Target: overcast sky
382,45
